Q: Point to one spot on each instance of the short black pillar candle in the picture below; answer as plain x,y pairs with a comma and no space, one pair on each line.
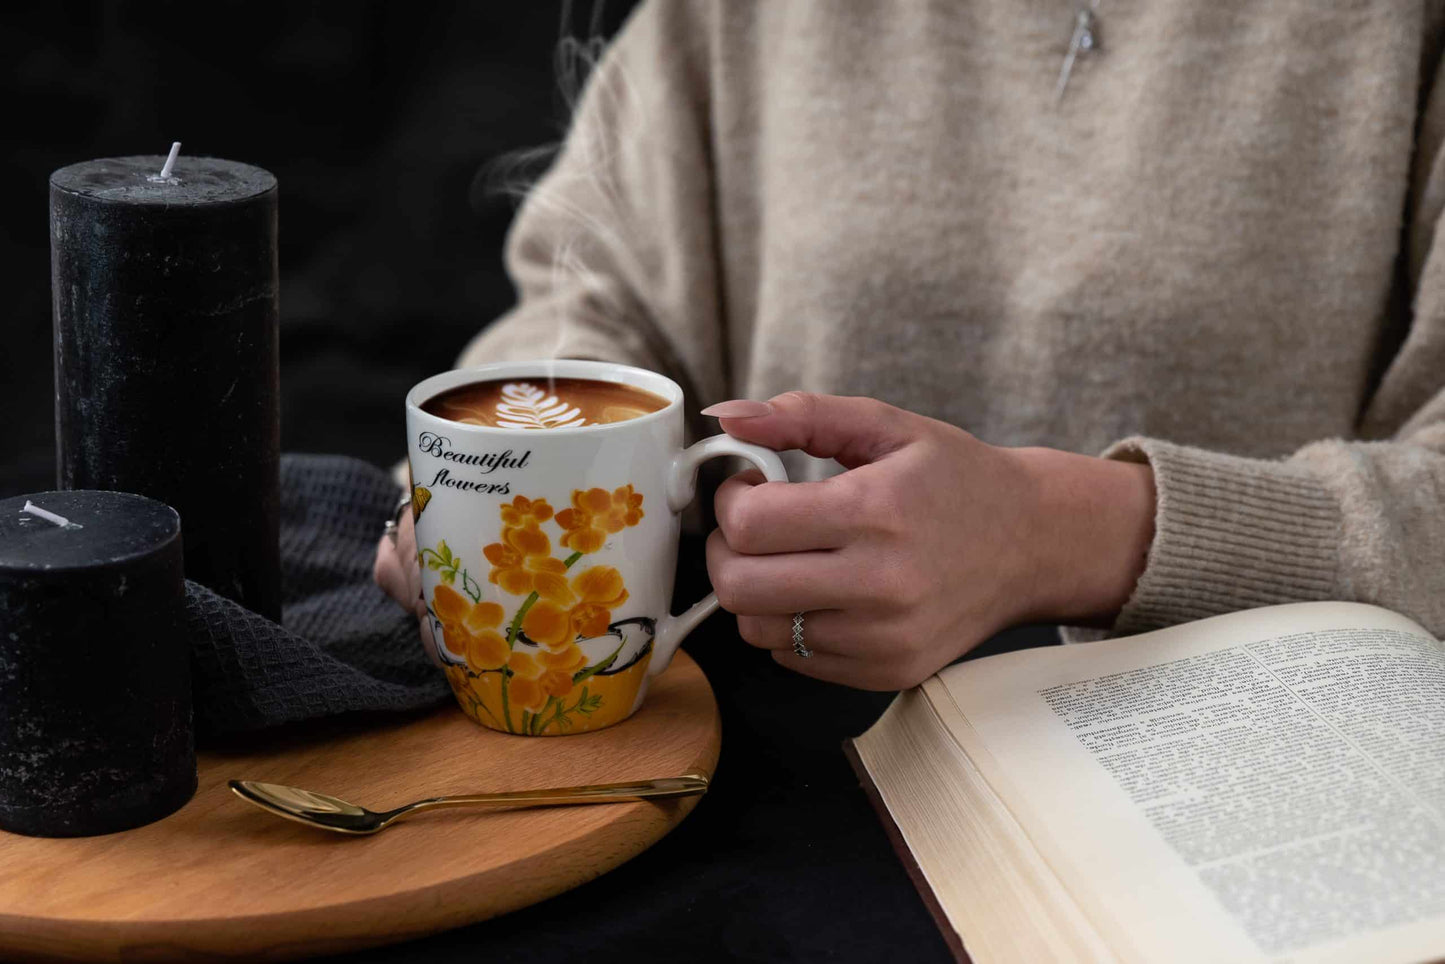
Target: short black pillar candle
166,353
95,682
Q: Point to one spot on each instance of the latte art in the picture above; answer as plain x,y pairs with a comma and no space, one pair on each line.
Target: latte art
524,405
543,404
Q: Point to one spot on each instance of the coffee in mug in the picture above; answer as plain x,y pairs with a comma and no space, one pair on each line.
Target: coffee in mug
546,497
543,403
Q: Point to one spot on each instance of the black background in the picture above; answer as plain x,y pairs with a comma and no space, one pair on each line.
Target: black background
384,123
381,122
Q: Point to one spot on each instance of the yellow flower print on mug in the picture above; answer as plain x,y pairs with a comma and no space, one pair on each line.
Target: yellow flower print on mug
569,659
525,665
527,694
522,563
595,514
523,510
599,591
561,664
468,629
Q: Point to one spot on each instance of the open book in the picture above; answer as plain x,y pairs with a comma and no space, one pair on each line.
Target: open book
1267,785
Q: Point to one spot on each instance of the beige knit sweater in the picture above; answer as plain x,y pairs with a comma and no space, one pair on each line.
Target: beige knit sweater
1218,254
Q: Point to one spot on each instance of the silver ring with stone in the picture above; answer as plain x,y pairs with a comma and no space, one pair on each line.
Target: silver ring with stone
800,649
393,524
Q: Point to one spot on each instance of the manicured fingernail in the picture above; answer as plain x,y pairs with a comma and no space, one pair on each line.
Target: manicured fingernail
738,408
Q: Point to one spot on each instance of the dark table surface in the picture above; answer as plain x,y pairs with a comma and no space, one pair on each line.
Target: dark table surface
783,859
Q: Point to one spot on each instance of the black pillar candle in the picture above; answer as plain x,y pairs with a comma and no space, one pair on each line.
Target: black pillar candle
95,683
167,384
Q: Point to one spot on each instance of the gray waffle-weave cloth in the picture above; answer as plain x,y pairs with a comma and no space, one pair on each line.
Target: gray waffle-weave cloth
343,646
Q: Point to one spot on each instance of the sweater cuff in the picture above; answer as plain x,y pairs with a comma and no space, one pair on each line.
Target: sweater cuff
1230,533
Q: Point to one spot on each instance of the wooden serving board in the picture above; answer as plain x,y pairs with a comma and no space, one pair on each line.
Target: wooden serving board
222,880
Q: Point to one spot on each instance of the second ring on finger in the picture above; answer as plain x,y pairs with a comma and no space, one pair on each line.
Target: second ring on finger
826,631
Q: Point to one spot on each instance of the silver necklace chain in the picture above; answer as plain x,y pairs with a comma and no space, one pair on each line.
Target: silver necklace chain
1085,40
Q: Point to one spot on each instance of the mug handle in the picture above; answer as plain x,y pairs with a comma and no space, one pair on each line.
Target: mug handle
681,490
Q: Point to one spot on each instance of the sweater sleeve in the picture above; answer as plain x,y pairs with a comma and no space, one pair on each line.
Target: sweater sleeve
612,253
1359,519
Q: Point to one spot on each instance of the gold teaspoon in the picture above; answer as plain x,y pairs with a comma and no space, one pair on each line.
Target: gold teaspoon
331,813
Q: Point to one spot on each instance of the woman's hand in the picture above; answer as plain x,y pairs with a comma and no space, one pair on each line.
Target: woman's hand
396,570
931,542
398,573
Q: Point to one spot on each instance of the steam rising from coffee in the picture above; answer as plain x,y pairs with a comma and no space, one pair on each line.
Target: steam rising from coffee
601,221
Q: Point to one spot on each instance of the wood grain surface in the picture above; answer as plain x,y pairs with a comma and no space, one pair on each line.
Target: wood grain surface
222,880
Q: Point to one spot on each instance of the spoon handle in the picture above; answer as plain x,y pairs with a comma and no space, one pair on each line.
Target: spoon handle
687,785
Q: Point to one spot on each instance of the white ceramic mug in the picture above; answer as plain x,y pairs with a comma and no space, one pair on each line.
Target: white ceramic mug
548,556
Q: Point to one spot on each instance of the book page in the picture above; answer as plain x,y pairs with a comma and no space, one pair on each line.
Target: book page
1001,900
1266,785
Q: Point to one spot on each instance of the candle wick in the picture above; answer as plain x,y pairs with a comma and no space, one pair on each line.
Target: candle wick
165,174
171,159
49,516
